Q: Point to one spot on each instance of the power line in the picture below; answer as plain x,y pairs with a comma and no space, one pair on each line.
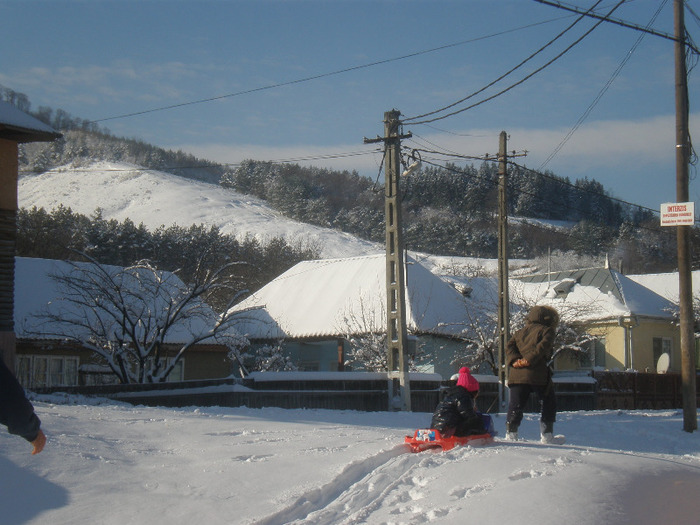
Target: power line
604,89
527,77
535,196
327,156
544,175
327,74
504,75
619,22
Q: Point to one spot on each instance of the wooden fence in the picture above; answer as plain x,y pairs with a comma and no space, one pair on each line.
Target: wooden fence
370,392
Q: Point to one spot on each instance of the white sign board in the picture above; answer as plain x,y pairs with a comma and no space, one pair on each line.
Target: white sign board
678,214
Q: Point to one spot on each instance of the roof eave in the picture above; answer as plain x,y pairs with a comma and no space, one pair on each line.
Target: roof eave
22,135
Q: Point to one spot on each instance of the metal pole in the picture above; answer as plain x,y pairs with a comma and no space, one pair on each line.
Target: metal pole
397,336
688,378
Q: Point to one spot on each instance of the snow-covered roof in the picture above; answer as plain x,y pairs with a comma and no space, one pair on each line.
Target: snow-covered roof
595,294
666,284
334,297
36,292
18,126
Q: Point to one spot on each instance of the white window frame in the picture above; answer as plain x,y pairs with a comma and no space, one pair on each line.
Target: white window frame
39,371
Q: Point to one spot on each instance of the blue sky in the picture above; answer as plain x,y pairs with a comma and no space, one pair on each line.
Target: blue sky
101,59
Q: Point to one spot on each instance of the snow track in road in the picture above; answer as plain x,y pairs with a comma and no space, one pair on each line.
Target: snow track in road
354,493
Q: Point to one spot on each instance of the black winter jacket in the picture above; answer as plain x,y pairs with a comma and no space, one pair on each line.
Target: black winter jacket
456,414
16,412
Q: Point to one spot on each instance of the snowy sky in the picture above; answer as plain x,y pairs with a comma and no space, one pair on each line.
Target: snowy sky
113,464
274,68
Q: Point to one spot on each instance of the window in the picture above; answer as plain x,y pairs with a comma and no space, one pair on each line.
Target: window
661,345
592,356
24,369
37,371
310,366
40,366
599,351
178,371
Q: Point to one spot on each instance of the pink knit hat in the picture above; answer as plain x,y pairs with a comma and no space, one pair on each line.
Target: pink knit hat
467,380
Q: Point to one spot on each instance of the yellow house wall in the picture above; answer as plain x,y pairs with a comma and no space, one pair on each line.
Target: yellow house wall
641,342
642,345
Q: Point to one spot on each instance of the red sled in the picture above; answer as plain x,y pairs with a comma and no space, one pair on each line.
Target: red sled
425,438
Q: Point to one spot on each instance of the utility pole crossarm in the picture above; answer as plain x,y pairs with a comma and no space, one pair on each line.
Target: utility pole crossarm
384,139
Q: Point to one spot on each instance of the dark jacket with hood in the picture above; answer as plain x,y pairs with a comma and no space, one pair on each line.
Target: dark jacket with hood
456,411
16,412
534,342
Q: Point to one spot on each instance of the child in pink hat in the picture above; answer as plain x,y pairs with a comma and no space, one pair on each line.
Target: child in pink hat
456,414
468,381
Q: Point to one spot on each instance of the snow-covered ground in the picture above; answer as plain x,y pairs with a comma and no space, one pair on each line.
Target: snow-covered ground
111,463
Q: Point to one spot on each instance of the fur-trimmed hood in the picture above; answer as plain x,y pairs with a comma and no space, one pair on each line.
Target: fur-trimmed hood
544,315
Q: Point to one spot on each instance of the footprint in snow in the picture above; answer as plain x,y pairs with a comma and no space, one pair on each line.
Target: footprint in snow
526,474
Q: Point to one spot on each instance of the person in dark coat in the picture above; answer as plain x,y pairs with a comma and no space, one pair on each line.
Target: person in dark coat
455,415
17,413
527,356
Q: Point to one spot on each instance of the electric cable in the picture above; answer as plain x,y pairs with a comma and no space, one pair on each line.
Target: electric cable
569,207
603,90
327,156
527,77
327,74
550,177
504,75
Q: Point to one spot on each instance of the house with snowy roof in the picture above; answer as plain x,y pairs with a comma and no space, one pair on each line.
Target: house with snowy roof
318,306
16,127
46,359
635,327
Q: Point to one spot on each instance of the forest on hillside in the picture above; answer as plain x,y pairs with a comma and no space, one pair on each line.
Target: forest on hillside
190,251
447,210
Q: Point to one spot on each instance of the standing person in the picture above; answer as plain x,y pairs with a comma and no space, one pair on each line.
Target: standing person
17,413
456,415
527,355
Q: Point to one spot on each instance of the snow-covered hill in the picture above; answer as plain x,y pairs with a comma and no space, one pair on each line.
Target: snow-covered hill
156,198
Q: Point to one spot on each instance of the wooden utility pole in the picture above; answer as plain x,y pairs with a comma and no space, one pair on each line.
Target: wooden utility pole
687,323
503,295
685,299
397,334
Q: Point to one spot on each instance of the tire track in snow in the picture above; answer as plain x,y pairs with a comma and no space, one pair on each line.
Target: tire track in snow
361,485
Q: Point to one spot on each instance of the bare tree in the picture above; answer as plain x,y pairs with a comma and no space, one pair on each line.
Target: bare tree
127,316
271,358
366,337
481,336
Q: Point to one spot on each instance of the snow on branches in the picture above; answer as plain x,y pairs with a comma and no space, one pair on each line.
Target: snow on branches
137,320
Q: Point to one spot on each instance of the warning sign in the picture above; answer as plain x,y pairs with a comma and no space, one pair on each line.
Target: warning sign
678,214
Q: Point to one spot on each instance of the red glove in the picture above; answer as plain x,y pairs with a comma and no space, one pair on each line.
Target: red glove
521,363
39,442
